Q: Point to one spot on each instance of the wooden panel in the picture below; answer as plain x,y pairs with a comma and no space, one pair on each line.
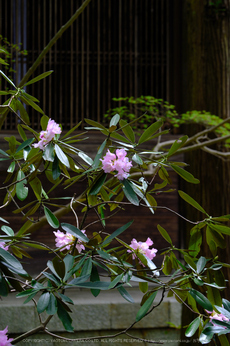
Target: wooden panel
115,48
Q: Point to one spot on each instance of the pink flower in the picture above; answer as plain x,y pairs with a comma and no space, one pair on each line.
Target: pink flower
4,339
47,136
3,245
67,239
143,247
216,316
119,163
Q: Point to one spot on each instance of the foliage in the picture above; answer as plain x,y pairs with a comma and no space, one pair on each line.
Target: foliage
122,173
151,109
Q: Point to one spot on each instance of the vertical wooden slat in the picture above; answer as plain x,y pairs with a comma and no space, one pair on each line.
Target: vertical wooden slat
71,70
120,51
136,52
50,52
98,59
87,64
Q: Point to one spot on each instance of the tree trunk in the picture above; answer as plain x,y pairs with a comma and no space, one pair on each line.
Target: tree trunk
206,77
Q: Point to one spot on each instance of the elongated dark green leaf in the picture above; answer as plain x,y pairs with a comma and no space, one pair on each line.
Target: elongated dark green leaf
61,155
226,304
64,317
129,192
55,169
4,288
37,187
43,302
192,328
125,294
21,189
74,231
116,281
51,218
52,278
201,299
69,262
94,276
97,184
191,201
96,124
195,241
8,79
85,158
146,306
10,259
116,233
36,79
184,174
65,299
150,131
52,305
164,234
99,154
136,158
176,145
100,285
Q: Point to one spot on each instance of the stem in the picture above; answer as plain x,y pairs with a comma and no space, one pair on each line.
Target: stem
52,42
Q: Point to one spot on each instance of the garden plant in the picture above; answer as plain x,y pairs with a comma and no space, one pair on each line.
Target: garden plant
121,173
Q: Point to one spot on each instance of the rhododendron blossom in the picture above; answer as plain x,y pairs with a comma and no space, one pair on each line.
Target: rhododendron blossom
216,316
3,245
4,341
67,239
46,136
143,247
119,163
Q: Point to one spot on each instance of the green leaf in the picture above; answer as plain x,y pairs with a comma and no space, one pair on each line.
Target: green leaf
43,302
69,262
136,158
201,299
85,158
146,306
23,113
127,130
51,218
125,294
74,231
129,192
48,153
184,174
191,201
116,233
55,169
200,264
37,187
61,155
192,328
195,241
100,285
94,276
21,132
52,305
114,121
28,101
3,153
176,145
96,124
36,79
64,317
223,311
190,262
226,304
97,184
11,167
116,281
99,155
4,289
8,79
12,262
150,131
7,230
220,228
21,189
165,234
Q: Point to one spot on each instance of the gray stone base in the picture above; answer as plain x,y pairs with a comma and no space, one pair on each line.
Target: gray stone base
107,314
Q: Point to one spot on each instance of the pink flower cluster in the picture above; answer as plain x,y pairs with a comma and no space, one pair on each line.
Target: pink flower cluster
215,316
47,136
118,162
4,341
67,239
3,246
143,247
